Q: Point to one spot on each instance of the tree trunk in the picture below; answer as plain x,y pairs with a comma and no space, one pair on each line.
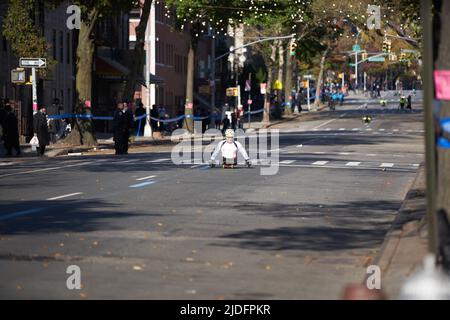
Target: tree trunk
138,60
443,63
288,81
83,130
189,106
317,102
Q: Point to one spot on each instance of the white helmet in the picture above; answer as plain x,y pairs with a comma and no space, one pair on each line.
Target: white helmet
229,133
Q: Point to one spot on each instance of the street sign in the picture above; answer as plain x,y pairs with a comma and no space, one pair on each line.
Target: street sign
232,92
377,59
356,48
18,75
248,86
33,62
263,88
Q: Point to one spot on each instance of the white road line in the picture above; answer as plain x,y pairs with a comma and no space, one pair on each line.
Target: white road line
320,163
387,165
45,169
6,163
328,129
382,130
324,124
342,129
65,196
355,129
368,129
143,184
353,164
145,178
287,161
344,153
396,130
319,152
371,155
416,165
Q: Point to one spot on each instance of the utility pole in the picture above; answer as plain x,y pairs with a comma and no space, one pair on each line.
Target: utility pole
213,71
150,67
34,89
249,100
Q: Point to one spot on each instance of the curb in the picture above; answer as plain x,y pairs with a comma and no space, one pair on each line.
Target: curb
396,231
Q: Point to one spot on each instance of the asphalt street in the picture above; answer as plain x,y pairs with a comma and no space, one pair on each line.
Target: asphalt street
141,227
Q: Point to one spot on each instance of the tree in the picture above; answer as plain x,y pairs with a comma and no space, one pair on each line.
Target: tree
91,12
24,36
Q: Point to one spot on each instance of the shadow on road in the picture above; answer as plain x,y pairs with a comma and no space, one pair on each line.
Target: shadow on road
63,216
343,228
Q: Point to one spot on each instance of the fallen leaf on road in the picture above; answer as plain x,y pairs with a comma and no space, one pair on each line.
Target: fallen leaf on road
95,243
194,251
268,268
57,255
61,244
278,256
45,265
173,210
137,268
189,259
81,239
159,224
199,211
367,261
308,259
19,287
83,295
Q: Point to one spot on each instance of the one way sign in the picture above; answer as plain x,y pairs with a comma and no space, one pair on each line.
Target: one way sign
33,62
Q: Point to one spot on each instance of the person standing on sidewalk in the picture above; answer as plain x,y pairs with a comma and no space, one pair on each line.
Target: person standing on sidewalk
40,129
119,127
140,124
11,132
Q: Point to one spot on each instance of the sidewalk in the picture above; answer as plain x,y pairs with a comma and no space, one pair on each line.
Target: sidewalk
106,143
405,245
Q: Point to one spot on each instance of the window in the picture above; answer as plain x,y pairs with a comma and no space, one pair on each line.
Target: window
54,44
61,46
68,50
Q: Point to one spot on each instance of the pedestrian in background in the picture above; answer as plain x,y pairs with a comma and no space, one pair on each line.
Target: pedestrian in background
40,129
140,124
129,124
119,127
11,132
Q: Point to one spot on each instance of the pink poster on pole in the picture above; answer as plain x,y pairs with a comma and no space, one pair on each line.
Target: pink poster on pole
87,103
442,84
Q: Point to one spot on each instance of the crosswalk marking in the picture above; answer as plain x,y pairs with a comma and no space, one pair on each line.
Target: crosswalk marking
353,164
387,165
287,161
320,163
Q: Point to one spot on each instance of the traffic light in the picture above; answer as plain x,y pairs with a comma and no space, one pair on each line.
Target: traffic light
293,48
